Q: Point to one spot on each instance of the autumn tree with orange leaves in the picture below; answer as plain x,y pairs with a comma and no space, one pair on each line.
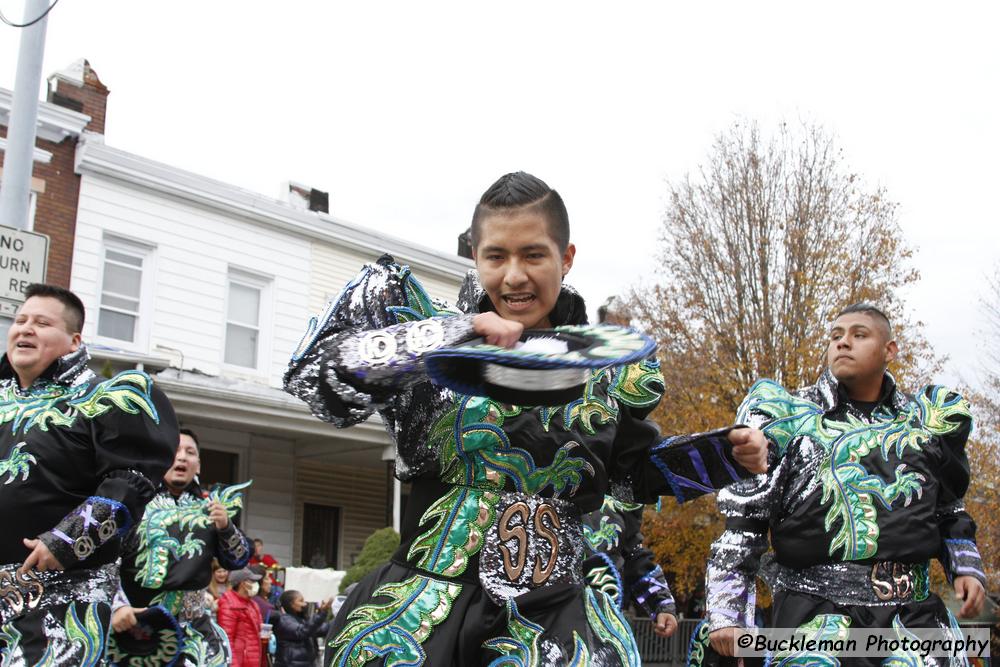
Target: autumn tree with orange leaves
759,249
983,497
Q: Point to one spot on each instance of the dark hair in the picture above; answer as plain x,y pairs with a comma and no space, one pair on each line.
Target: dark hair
286,600
871,311
521,190
189,433
71,302
257,539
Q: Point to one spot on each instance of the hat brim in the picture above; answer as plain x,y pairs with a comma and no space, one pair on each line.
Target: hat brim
537,378
157,639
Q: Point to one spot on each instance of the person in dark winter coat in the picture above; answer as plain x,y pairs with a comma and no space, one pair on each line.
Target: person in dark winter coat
295,633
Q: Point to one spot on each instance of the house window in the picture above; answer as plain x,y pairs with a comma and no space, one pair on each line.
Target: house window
245,313
121,291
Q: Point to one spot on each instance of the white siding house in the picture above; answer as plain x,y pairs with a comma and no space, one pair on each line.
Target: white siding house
209,288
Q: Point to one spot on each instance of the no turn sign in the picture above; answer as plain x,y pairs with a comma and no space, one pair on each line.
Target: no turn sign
23,258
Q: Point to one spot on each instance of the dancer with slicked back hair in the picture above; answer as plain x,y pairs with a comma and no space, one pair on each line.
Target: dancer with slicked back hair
489,567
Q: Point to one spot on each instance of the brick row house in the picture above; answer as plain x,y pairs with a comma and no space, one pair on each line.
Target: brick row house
208,287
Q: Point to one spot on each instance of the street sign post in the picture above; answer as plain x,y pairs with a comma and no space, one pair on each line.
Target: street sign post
23,259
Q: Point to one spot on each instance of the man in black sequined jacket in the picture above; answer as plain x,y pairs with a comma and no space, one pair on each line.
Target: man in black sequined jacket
167,561
77,456
489,566
867,490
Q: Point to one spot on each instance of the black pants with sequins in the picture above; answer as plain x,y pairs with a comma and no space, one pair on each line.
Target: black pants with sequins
793,609
60,635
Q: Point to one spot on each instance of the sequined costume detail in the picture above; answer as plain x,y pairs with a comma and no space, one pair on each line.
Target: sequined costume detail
157,547
17,464
497,491
77,456
523,647
829,627
849,488
394,630
476,450
619,565
66,614
460,519
167,562
81,532
55,405
607,621
857,499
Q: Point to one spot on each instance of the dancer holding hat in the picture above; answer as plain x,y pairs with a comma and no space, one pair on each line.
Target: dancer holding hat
489,567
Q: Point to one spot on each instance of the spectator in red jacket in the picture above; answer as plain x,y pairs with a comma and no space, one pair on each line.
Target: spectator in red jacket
261,558
240,618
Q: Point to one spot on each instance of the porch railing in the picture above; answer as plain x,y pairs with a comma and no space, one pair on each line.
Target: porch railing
655,650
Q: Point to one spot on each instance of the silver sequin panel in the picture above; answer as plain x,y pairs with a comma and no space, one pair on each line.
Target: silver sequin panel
21,593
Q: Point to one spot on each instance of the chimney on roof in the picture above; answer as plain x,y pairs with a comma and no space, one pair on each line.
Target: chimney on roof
78,87
305,198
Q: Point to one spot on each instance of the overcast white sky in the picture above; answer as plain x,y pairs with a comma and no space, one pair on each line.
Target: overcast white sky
406,111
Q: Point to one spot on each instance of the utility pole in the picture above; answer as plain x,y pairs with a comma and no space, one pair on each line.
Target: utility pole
15,188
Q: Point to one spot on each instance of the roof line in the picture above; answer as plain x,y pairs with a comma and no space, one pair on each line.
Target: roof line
95,158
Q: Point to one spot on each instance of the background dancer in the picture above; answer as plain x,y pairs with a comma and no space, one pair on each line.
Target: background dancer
77,456
868,489
168,559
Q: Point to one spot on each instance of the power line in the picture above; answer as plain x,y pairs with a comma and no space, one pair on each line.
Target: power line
29,23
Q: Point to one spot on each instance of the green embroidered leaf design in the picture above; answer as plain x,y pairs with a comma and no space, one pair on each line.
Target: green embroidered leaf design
474,450
523,647
899,657
17,463
789,415
830,627
10,640
419,305
37,409
849,489
604,537
396,629
606,620
696,649
129,391
157,546
461,518
194,645
196,648
86,637
638,385
585,409
937,410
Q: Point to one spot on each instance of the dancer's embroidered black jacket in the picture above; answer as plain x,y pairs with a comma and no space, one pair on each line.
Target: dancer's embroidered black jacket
77,456
857,488
497,490
172,547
